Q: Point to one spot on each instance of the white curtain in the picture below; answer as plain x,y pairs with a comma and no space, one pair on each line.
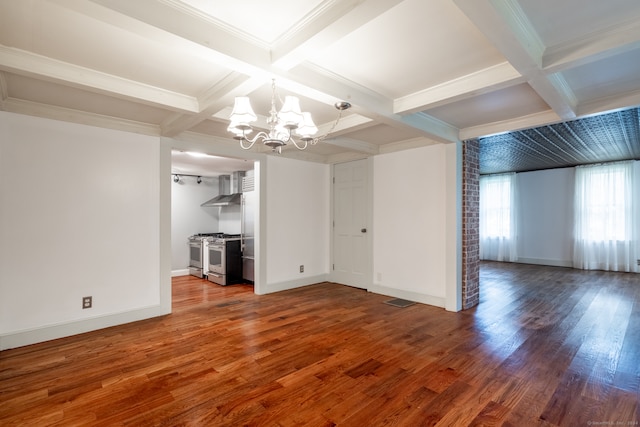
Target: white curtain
606,218
498,217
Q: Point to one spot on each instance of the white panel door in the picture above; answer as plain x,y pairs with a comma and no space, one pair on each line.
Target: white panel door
351,254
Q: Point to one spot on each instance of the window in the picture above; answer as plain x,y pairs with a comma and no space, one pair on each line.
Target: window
602,203
496,205
497,217
605,236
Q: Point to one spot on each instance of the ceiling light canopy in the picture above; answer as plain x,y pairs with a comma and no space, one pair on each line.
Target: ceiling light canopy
281,123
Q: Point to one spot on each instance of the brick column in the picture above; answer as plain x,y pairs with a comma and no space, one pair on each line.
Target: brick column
470,223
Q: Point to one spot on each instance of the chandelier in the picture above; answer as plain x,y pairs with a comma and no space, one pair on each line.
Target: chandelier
281,123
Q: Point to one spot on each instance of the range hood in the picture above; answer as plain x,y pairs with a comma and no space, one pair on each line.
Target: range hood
229,190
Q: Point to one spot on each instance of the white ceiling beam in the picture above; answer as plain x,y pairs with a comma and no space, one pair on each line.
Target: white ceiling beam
524,122
431,127
594,47
324,25
615,102
506,26
29,64
497,77
353,144
4,89
406,145
346,156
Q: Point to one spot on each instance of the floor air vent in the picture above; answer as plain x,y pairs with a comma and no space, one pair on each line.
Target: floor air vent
399,302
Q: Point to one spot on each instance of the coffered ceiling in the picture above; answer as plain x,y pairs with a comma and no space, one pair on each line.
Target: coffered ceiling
416,72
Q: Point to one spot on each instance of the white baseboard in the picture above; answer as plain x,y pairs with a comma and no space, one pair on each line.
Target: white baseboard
292,284
549,262
52,332
183,272
408,295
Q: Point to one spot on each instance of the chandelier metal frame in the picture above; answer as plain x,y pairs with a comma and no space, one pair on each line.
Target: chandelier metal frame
281,123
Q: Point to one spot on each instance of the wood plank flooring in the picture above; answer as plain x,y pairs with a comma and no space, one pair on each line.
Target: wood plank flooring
546,347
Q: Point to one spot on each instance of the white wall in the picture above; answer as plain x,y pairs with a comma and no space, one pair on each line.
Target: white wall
545,216
409,215
189,218
297,222
79,216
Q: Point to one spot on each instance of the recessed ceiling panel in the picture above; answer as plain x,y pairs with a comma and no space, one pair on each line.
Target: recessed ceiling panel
382,134
504,104
414,45
611,76
263,20
561,21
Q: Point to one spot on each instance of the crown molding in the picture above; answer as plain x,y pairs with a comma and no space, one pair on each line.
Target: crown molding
79,117
32,65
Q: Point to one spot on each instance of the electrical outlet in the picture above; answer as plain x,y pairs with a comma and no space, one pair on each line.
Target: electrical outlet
87,302
302,269
638,261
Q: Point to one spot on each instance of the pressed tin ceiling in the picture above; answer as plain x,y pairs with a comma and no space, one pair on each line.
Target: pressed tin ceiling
417,72
602,138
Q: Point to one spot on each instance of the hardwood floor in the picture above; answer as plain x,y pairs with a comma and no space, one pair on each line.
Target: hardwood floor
546,346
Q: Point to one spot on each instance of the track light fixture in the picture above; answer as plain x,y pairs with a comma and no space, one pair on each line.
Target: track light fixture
178,177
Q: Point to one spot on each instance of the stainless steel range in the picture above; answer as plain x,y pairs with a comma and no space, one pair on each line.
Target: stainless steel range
224,259
199,254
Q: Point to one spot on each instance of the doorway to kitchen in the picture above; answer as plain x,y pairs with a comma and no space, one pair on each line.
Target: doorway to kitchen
207,207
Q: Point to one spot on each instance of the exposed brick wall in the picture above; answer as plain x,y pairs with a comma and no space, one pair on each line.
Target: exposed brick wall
470,223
